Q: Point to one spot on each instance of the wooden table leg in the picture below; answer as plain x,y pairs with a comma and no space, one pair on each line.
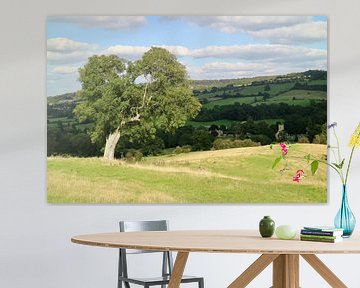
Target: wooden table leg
293,264
253,270
324,271
286,271
178,270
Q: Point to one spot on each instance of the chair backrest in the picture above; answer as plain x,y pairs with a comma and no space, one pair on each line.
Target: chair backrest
134,226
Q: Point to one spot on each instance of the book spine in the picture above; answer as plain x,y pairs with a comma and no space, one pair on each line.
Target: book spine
319,236
320,233
318,239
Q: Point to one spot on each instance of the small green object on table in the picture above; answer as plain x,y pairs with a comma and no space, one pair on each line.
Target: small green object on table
285,232
266,227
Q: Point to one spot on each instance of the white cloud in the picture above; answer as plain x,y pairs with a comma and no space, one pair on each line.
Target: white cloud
247,60
62,79
124,51
66,45
234,61
62,83
133,52
67,58
253,52
178,50
233,24
224,66
275,29
301,33
66,51
104,22
259,52
225,70
65,69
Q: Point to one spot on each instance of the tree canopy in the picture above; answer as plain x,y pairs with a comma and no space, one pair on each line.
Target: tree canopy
134,98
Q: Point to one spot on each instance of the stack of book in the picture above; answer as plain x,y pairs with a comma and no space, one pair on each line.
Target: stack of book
321,234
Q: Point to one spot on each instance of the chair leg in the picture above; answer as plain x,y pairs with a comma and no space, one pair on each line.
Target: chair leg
201,283
126,284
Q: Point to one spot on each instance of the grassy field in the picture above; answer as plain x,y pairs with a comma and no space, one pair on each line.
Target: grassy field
53,122
317,82
240,175
274,89
298,97
292,97
230,101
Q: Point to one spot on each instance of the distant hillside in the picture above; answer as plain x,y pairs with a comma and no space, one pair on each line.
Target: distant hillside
310,74
204,84
250,111
300,89
68,97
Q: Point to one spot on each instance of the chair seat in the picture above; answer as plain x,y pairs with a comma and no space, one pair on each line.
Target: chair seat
158,280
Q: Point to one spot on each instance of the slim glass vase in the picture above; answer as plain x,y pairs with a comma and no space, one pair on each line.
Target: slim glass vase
345,219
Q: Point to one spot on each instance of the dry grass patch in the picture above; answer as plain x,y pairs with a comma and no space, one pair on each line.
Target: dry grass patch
70,188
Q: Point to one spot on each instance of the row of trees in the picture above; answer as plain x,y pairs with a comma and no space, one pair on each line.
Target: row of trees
67,138
242,112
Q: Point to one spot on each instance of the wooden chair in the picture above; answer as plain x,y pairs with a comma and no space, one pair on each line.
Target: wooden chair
167,262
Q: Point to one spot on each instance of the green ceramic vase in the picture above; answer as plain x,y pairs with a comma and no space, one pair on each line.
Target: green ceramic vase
266,227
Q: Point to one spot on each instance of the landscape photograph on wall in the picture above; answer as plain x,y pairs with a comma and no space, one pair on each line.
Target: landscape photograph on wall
186,109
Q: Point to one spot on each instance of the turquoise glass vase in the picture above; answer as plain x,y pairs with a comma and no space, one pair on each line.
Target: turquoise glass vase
345,219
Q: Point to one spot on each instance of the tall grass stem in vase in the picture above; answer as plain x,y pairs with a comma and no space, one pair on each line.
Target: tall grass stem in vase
344,219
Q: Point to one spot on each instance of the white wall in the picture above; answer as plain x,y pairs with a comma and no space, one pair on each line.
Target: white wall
35,248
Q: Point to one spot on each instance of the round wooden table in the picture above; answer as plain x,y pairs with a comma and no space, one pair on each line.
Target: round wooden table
284,254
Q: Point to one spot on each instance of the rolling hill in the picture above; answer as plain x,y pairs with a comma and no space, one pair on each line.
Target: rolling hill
240,175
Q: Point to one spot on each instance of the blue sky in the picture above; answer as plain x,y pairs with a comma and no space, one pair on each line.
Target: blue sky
211,47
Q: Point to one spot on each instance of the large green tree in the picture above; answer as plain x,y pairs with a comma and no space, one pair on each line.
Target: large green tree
134,98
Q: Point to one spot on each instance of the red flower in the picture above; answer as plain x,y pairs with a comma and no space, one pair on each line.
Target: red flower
299,174
284,149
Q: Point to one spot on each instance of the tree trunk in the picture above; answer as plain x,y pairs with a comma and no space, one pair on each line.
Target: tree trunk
110,145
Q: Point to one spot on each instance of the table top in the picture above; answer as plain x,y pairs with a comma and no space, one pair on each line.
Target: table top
217,241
